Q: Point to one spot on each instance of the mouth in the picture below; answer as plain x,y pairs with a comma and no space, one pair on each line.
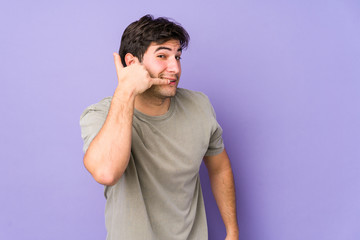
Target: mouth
172,80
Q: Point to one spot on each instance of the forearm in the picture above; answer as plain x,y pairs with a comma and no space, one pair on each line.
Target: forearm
222,184
108,154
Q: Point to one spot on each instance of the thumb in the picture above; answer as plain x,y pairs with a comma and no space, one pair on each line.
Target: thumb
117,61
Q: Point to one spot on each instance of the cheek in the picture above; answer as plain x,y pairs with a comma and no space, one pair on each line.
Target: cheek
160,64
156,65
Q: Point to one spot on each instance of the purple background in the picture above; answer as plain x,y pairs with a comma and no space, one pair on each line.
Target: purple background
284,79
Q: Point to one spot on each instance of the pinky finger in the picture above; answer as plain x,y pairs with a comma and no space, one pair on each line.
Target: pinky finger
159,81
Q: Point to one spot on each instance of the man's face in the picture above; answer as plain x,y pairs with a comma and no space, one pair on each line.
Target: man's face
163,61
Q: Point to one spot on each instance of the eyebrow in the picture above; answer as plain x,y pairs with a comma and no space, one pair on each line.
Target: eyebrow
166,48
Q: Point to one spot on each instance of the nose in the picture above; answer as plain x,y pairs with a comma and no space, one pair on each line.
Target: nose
174,66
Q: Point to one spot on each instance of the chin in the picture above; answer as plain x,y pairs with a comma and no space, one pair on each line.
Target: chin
166,92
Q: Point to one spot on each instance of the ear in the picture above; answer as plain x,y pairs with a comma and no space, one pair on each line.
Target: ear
130,59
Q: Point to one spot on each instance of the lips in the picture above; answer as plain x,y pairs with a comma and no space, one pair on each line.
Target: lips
172,78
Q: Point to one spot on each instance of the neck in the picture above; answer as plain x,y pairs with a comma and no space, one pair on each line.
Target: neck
152,106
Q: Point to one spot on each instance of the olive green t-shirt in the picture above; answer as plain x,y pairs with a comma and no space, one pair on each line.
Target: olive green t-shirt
159,195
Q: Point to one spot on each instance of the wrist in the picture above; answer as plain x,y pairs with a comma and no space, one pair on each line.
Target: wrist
123,95
233,232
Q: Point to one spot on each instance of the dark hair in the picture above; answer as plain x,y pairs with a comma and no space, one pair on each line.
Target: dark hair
138,36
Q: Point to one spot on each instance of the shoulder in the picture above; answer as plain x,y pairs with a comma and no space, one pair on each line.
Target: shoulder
192,96
197,101
99,109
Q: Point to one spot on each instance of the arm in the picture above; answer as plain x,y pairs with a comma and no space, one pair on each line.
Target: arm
222,185
108,154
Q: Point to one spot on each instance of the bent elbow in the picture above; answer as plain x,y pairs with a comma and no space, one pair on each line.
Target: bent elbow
106,179
102,175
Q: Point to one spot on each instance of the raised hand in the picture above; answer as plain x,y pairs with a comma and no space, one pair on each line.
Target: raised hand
135,78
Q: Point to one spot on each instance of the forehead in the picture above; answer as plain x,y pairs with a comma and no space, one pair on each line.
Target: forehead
171,45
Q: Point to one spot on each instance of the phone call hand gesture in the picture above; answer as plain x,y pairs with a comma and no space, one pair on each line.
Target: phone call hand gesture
135,78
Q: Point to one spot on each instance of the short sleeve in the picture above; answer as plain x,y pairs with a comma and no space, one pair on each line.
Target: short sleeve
216,144
92,120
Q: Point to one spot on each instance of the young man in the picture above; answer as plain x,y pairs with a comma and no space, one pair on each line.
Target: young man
147,141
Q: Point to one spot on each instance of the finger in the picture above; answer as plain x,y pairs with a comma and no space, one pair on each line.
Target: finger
159,81
117,61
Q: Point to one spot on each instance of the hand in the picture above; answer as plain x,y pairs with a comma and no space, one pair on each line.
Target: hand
135,78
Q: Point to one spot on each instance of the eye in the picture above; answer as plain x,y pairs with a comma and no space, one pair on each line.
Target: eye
161,56
177,57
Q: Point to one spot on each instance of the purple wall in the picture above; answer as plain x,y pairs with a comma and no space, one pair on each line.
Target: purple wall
284,79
